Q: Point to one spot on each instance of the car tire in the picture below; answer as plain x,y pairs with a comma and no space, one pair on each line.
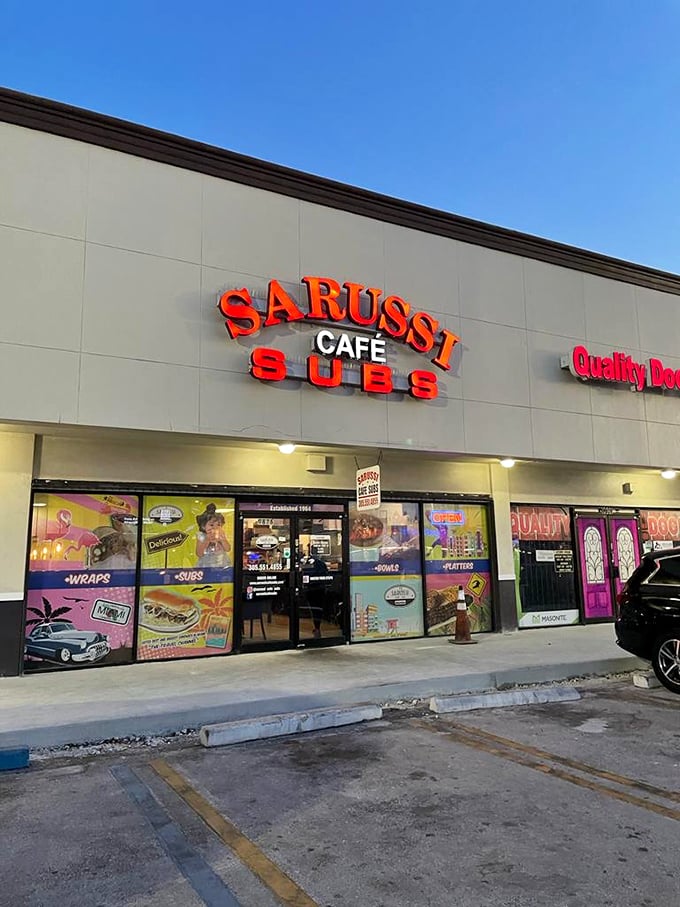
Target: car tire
666,660
64,655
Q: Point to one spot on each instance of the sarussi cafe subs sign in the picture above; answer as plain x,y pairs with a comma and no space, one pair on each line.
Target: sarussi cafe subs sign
341,355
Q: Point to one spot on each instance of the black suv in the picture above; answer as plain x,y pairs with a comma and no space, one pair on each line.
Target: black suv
648,615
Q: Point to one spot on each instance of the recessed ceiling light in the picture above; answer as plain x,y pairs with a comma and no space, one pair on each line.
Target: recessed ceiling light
668,473
287,448
507,462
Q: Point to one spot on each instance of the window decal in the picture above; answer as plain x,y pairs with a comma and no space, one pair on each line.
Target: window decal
592,541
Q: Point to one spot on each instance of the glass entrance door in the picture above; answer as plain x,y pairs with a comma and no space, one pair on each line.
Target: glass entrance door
609,551
267,575
319,582
292,590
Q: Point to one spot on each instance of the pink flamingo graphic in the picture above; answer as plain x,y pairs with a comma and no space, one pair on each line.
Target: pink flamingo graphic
63,529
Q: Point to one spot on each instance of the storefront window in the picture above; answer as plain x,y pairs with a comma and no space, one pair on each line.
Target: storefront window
81,580
186,596
659,529
544,565
457,554
385,573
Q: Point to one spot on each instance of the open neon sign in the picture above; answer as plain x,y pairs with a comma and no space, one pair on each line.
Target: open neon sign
392,318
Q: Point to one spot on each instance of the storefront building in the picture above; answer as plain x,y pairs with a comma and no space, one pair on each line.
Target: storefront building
174,313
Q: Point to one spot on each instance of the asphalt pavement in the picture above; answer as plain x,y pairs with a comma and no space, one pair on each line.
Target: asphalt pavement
568,804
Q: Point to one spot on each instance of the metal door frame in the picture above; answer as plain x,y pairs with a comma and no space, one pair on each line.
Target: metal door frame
294,585
607,514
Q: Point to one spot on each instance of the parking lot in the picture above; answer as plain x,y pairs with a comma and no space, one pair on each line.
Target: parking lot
564,804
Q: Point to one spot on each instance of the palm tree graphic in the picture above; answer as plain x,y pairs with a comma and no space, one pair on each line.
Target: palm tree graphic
47,615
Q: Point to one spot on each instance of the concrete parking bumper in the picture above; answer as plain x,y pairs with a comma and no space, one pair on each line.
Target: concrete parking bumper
468,703
281,725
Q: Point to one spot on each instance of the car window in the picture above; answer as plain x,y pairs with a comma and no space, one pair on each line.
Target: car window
667,573
640,574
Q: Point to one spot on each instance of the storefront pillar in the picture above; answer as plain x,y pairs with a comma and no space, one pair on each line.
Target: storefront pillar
16,472
506,607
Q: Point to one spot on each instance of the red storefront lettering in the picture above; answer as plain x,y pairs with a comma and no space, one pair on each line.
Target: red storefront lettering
267,365
394,318
241,318
354,312
315,377
376,379
423,385
443,357
421,332
280,307
322,294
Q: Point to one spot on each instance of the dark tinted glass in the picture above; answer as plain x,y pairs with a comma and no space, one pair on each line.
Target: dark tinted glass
640,574
668,572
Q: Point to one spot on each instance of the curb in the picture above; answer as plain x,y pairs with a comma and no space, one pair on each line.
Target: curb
282,725
187,712
509,698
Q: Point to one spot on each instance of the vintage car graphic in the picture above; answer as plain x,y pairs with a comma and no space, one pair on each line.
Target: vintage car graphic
60,642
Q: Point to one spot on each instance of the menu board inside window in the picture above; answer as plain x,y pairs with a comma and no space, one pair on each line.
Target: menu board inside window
186,596
81,580
457,554
386,585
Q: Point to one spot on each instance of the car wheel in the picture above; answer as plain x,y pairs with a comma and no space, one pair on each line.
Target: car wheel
64,655
666,661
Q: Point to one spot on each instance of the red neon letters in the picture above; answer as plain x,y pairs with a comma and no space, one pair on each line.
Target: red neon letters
392,316
327,300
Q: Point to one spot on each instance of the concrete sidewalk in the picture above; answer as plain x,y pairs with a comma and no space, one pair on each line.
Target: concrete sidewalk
82,706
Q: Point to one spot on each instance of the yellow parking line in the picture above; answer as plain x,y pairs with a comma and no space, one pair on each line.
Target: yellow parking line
285,889
504,752
605,774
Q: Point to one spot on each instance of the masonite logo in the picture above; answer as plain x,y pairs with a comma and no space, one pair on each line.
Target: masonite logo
393,318
165,541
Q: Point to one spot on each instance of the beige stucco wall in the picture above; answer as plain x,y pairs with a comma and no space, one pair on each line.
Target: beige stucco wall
16,465
535,483
113,264
259,466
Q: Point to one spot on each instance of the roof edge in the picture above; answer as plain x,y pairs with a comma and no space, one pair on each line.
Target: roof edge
44,115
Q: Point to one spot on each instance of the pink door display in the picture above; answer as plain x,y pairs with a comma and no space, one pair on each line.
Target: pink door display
625,549
595,582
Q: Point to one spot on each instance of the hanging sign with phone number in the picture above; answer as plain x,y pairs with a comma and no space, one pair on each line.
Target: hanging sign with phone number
368,488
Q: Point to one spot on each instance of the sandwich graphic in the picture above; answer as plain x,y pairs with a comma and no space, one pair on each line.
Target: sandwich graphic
163,609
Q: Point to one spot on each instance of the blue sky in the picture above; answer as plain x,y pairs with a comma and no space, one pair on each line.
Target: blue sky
553,117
